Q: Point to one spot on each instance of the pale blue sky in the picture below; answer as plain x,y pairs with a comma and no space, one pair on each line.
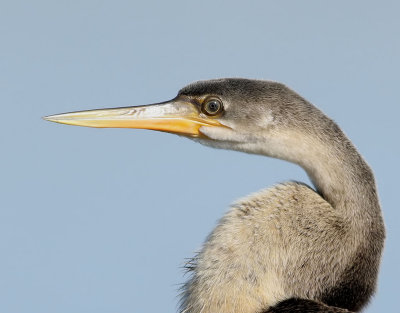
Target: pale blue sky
102,220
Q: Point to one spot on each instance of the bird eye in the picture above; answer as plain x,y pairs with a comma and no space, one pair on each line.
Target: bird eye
212,106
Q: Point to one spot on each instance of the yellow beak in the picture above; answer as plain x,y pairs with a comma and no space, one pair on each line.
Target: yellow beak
175,116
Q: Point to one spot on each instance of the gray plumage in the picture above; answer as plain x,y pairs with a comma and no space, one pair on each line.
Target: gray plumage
288,241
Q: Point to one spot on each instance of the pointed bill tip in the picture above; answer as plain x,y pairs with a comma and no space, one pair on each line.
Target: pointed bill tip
49,118
60,118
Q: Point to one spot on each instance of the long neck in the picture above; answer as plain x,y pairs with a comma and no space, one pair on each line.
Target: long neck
343,178
337,170
317,144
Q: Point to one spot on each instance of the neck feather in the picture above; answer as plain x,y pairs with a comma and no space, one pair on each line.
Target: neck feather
337,170
333,164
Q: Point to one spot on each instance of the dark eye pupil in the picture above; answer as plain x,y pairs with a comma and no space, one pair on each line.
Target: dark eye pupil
213,106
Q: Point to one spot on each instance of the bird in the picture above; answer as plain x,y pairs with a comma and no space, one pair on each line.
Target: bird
291,247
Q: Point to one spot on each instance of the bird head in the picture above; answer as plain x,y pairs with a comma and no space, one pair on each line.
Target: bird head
230,113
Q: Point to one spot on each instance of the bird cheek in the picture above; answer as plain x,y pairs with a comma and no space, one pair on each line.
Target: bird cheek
217,133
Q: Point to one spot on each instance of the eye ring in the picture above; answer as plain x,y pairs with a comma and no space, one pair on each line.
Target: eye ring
212,106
